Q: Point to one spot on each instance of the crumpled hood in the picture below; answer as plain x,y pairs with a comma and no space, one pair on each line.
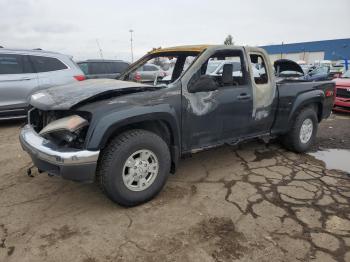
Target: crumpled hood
282,65
66,96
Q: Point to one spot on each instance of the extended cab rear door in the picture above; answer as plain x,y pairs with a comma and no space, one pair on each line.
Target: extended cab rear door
265,99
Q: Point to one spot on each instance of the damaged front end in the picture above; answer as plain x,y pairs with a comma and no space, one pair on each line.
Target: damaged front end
64,128
55,142
55,136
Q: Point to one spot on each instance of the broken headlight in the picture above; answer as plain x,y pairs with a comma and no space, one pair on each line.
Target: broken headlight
66,129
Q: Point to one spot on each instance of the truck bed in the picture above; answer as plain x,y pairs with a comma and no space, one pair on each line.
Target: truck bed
292,93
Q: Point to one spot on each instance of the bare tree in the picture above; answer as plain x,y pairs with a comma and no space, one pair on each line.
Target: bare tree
229,40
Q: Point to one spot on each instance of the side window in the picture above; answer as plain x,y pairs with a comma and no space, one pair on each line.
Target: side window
47,64
119,67
97,68
15,64
108,68
84,67
153,68
259,69
215,65
149,68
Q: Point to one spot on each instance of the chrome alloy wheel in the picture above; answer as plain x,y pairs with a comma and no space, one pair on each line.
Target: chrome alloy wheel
140,170
306,130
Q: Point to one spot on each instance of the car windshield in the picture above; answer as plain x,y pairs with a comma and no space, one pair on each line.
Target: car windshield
160,69
346,74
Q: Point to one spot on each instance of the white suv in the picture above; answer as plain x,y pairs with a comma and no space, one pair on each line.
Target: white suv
23,72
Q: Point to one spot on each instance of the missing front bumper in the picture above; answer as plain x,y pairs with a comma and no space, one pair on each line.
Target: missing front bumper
70,163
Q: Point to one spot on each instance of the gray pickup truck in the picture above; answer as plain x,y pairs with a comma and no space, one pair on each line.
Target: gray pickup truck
129,136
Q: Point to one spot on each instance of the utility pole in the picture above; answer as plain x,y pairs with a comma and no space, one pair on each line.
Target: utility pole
99,48
131,47
282,50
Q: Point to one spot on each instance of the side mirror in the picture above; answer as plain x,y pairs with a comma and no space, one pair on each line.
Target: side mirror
204,84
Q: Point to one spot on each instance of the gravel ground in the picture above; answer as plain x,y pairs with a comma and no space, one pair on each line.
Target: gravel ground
334,133
250,203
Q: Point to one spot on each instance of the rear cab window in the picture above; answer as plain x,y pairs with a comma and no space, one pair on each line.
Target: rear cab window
47,64
15,64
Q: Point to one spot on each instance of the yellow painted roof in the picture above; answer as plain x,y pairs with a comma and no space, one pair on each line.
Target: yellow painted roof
195,48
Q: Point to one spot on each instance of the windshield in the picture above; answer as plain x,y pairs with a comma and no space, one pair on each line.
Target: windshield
212,66
346,74
160,69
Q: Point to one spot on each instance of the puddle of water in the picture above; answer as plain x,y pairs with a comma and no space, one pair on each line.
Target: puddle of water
334,159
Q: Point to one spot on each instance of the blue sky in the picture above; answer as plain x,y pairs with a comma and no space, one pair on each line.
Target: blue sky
73,26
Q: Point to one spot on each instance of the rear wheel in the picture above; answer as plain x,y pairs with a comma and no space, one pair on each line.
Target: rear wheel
302,135
134,167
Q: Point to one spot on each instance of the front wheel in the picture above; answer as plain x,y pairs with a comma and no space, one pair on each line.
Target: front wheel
303,132
134,167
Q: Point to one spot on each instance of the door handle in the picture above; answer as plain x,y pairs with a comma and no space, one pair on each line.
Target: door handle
26,78
243,96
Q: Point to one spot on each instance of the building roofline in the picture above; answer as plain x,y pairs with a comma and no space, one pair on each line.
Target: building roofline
308,42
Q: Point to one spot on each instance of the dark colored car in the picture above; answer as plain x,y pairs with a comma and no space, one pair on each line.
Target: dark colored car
129,136
100,68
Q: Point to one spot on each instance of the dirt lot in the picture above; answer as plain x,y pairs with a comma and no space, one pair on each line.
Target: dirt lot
252,203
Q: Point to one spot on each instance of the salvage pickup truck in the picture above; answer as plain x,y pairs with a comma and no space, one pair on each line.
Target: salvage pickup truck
129,136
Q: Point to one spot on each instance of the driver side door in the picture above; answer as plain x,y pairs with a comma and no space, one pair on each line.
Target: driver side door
215,117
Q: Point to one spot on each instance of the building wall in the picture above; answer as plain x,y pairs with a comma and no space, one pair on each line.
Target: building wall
338,49
308,57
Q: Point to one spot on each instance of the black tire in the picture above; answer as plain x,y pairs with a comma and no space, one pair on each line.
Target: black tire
292,139
114,156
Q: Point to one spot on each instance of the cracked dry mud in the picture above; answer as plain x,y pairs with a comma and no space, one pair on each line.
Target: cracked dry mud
252,203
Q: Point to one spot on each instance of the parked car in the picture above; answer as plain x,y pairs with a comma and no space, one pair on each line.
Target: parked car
307,68
25,71
321,73
148,73
129,136
101,68
342,99
336,70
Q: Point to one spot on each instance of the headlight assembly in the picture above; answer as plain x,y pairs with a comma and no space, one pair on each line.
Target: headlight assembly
65,125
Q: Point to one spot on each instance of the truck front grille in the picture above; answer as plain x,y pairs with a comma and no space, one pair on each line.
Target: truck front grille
35,119
343,93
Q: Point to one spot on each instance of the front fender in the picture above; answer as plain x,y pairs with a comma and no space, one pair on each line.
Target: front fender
101,130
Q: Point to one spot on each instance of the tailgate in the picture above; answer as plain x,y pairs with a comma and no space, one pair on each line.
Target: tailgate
329,91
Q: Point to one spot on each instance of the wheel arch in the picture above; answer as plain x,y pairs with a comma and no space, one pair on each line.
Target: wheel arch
310,99
163,124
